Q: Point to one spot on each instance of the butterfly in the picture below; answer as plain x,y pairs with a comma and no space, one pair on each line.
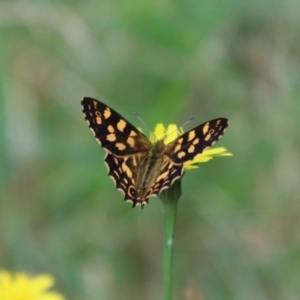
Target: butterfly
142,169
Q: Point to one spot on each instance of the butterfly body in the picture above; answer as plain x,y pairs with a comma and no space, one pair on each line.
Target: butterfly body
143,171
139,168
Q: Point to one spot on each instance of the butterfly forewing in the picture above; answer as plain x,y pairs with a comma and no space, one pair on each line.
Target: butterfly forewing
113,132
194,141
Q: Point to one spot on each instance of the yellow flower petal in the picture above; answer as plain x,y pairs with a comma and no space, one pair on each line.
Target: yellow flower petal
52,296
42,282
172,133
22,287
5,278
205,156
159,133
221,151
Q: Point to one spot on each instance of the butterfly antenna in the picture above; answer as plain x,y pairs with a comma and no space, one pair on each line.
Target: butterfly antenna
142,121
188,121
185,123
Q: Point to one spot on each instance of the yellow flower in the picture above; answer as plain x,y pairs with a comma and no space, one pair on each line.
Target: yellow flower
172,132
20,286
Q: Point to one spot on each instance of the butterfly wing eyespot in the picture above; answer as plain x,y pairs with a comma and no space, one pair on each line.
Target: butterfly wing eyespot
114,133
196,140
131,191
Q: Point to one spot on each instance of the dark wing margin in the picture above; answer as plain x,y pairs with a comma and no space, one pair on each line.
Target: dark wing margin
111,130
196,140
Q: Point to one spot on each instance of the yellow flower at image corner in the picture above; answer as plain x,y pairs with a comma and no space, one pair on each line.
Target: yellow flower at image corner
172,132
21,286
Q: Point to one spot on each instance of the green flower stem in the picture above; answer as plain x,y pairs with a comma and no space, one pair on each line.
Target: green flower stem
170,199
2,68
169,227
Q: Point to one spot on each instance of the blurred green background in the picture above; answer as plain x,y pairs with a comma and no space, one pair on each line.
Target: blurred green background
238,226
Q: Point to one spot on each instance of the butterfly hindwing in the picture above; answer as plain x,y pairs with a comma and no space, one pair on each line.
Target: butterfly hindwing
121,174
194,141
167,176
113,132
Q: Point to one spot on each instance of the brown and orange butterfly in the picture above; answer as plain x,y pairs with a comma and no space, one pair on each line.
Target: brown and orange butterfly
140,168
